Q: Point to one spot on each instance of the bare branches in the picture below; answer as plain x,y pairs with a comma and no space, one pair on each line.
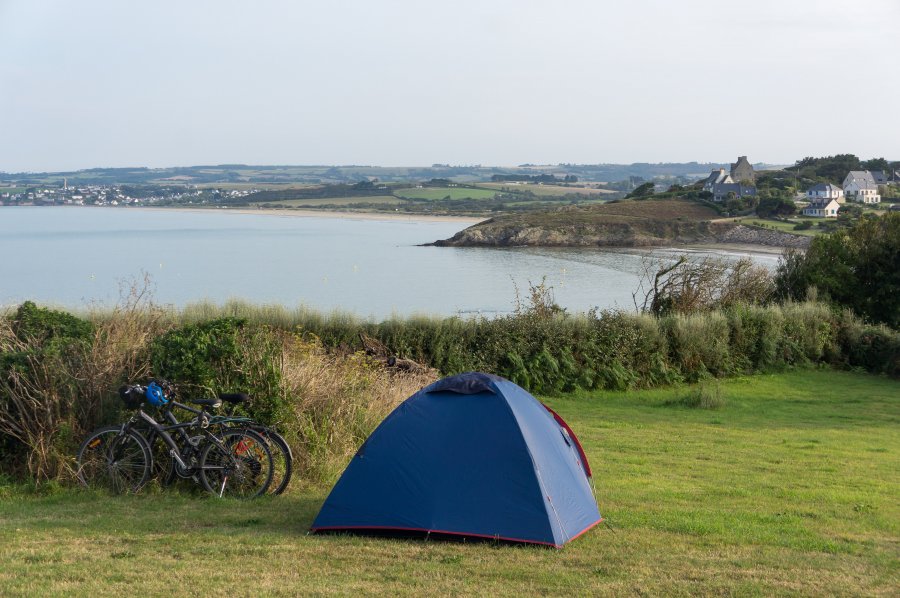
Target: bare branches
689,285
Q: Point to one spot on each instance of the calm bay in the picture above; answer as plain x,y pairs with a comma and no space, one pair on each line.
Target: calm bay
75,256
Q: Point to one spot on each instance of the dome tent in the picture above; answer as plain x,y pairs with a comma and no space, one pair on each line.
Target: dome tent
472,455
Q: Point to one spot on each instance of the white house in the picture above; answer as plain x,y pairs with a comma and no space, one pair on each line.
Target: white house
862,192
861,186
859,176
822,208
717,177
825,191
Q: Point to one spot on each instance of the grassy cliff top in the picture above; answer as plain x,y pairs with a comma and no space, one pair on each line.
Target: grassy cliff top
624,211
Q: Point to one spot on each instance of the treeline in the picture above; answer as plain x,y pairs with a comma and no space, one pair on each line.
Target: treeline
360,189
833,169
536,178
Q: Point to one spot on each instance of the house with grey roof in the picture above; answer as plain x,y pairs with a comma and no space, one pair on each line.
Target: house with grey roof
716,177
724,191
861,186
825,191
880,176
860,176
723,185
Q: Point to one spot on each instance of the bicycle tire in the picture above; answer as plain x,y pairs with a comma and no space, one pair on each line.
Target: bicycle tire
241,464
114,461
282,463
163,462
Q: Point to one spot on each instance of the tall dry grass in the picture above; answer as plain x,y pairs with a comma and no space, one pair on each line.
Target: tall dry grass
335,402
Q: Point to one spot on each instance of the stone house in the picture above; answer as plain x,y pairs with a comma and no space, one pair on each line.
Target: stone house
742,170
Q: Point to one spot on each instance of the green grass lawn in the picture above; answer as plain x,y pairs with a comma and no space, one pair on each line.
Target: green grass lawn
442,192
787,226
791,487
546,190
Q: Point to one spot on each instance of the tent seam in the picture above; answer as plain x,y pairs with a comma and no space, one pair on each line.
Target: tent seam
540,478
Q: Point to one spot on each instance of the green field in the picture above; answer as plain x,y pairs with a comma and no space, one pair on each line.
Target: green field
787,227
546,190
790,487
337,201
443,192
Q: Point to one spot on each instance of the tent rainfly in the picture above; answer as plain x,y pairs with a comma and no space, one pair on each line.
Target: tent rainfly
472,456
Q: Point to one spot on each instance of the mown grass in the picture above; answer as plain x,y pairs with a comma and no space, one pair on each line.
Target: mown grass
787,227
789,488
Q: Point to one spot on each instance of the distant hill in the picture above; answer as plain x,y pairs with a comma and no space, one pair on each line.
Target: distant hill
324,174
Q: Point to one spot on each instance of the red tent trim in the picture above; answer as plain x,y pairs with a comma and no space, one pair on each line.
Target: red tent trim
561,422
387,528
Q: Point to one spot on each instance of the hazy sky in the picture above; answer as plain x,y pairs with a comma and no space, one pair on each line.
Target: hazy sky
500,82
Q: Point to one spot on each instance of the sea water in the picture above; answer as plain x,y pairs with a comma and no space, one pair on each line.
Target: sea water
76,256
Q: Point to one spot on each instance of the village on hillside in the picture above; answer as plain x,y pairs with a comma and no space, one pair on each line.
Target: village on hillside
822,192
820,200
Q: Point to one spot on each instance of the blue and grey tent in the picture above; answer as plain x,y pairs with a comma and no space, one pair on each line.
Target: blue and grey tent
472,455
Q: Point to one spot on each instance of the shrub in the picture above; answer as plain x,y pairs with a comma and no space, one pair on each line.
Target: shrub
42,352
335,402
808,333
707,395
224,355
755,333
699,344
873,348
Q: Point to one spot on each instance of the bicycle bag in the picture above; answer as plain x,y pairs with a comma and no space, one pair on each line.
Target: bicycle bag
131,396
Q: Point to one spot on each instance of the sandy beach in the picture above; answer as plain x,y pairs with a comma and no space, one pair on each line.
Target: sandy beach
734,248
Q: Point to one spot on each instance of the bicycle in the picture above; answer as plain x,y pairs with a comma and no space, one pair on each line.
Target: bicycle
282,456
119,457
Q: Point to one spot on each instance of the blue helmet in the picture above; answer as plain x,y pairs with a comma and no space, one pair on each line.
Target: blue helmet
155,395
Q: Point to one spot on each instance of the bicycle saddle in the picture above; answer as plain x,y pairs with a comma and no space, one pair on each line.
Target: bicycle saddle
234,397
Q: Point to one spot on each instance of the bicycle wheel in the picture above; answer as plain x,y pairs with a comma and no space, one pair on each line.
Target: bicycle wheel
113,460
239,465
162,460
282,459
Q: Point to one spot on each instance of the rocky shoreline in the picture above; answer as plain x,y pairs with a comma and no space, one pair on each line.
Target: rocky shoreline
492,234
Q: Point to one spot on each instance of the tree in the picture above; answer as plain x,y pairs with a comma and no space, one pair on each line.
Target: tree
876,164
854,267
828,169
645,190
691,285
848,214
775,204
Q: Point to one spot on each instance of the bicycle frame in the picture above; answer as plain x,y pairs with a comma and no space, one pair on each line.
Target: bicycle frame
201,423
